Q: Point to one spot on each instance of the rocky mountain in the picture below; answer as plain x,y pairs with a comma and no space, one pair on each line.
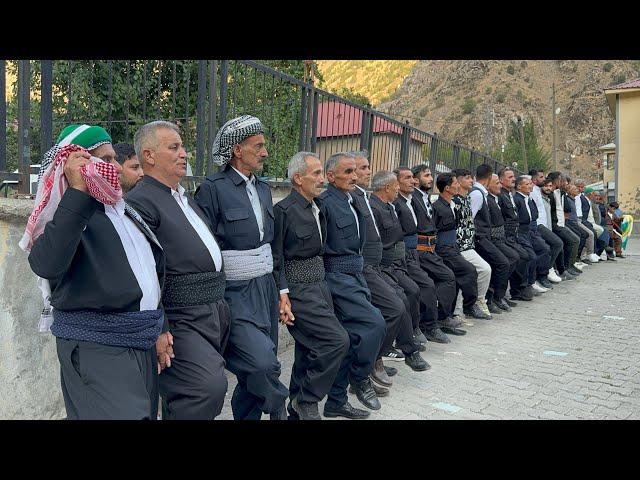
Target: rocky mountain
474,102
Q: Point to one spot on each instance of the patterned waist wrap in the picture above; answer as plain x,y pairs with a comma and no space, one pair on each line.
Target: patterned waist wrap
446,239
350,264
124,329
248,264
397,252
497,233
372,253
192,289
308,270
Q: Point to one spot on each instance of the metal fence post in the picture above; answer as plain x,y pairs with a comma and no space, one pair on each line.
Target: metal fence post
213,102
472,160
200,111
24,84
433,155
314,121
46,107
365,132
456,155
302,141
404,145
224,85
3,116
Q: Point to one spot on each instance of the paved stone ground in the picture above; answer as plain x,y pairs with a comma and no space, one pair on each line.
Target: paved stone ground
572,353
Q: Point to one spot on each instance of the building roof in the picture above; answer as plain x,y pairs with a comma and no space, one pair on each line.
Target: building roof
621,86
608,146
336,119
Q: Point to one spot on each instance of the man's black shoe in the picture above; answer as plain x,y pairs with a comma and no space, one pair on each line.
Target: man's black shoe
379,389
306,410
520,296
574,271
390,371
544,281
346,411
530,292
493,308
509,302
475,312
502,304
567,276
454,331
436,335
420,346
293,415
451,323
416,362
366,394
419,336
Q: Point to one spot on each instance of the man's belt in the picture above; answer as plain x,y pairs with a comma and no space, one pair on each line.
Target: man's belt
427,243
411,241
308,270
191,289
447,238
372,253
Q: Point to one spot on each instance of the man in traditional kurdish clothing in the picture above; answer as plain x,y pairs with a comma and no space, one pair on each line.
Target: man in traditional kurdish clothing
105,269
194,386
386,294
298,244
343,262
240,211
444,220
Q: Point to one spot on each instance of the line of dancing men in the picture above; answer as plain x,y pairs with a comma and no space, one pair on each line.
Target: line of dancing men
156,295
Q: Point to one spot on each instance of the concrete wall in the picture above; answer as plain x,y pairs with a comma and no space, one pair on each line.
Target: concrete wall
629,153
29,368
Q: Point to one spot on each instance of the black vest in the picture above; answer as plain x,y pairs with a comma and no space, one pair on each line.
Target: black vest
585,207
497,220
509,214
482,220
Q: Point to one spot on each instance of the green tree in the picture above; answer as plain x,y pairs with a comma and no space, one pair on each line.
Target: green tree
537,156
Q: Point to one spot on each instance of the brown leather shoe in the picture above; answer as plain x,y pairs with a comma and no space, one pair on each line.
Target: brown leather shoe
379,375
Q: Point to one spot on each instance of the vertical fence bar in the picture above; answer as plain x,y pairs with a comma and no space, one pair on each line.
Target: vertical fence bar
173,91
126,102
46,108
144,91
303,118
3,116
404,145
110,97
456,155
213,128
224,86
472,161
200,111
314,122
69,91
24,83
433,155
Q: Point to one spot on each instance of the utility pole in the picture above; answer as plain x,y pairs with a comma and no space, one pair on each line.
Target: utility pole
524,150
553,112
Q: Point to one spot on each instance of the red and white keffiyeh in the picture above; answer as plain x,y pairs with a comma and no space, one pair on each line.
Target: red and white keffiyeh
101,179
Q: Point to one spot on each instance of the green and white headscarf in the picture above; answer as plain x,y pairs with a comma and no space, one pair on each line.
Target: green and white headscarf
89,137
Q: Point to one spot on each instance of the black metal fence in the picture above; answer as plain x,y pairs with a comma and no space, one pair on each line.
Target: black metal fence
200,96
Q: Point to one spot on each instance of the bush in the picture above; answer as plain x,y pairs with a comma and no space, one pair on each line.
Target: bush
468,106
620,78
500,98
423,111
488,90
607,67
510,70
523,64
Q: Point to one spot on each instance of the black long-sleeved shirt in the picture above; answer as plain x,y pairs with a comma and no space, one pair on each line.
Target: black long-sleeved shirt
296,235
81,255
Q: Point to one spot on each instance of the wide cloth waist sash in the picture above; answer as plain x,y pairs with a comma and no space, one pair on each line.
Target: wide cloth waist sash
350,264
372,253
191,289
308,270
117,329
446,239
248,264
397,252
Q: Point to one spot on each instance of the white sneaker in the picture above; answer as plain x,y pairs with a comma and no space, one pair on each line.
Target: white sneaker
603,256
594,258
482,304
539,288
579,265
553,276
